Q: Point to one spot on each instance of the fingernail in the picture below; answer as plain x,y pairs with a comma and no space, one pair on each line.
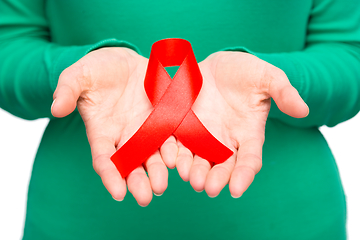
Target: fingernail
308,110
119,200
235,196
158,195
53,103
198,191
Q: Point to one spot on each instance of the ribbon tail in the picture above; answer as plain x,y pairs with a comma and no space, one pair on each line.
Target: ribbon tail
193,135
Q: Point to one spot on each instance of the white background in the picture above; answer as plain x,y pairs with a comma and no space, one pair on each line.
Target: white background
19,140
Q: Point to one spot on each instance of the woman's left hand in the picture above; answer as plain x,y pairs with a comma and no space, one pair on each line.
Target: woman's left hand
233,105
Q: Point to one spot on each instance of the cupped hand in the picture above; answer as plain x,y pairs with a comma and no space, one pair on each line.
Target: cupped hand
107,87
233,104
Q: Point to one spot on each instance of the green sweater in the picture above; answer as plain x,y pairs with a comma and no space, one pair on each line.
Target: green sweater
297,194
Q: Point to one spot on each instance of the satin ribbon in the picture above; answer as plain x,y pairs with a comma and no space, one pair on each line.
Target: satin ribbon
172,100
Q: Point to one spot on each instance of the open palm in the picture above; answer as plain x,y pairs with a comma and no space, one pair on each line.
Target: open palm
233,104
107,86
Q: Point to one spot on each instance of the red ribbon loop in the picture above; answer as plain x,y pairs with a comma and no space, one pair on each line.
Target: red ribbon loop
172,100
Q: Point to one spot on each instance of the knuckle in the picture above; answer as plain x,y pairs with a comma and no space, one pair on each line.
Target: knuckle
273,77
123,51
251,161
202,167
137,177
66,75
246,171
260,139
184,153
98,165
82,73
154,165
276,73
79,71
227,57
183,158
221,56
221,59
222,170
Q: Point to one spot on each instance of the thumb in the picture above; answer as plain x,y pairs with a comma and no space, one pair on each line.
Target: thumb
67,91
286,97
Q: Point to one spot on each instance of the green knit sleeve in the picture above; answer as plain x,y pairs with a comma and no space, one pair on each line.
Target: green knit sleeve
327,71
30,63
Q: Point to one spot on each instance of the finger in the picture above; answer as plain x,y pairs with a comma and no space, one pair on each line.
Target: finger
67,91
184,161
169,151
248,164
198,172
102,148
219,176
286,96
158,173
139,186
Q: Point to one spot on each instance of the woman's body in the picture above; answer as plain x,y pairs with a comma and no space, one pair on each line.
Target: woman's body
296,195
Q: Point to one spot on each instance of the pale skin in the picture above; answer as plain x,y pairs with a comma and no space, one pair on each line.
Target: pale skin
106,86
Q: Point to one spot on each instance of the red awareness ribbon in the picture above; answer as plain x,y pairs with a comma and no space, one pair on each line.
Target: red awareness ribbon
172,100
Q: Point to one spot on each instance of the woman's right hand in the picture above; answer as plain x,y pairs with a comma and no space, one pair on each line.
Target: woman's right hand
107,87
